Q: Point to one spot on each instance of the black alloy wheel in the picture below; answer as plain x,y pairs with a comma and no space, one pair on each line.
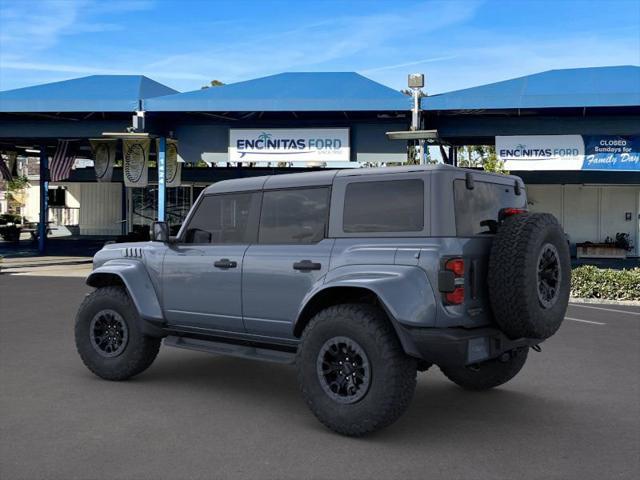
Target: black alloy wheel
549,275
108,333
343,370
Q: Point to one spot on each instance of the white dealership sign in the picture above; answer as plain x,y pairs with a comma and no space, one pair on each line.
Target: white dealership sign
541,152
289,145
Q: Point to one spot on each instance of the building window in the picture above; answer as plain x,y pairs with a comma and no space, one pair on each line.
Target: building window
57,197
294,216
384,206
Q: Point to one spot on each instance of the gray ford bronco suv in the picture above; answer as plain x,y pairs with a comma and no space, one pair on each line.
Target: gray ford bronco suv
359,277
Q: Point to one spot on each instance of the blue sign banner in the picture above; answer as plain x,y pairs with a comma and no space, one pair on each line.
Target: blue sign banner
611,152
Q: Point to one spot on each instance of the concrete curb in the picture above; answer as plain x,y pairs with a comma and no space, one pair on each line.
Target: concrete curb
601,301
44,264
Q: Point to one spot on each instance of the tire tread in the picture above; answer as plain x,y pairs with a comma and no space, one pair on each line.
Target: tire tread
400,386
141,350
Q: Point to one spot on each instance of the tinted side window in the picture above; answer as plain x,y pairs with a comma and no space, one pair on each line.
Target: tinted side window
482,205
385,206
227,218
294,215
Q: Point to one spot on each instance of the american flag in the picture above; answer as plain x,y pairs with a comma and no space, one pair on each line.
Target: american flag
4,170
62,161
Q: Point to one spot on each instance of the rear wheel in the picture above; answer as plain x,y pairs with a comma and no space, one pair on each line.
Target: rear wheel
352,370
488,374
108,337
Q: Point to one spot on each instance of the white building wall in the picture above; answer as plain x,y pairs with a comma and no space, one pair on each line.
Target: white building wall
73,195
590,213
546,198
100,208
615,204
581,213
31,209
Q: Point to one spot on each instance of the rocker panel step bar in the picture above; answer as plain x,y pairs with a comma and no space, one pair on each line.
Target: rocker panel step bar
235,350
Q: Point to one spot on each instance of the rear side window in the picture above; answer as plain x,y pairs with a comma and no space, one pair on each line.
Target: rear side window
227,218
294,216
384,206
476,209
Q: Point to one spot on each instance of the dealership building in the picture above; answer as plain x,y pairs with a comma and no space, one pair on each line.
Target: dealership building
343,115
573,135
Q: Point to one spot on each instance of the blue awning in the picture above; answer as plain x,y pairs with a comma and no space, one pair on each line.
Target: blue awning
288,92
577,87
96,93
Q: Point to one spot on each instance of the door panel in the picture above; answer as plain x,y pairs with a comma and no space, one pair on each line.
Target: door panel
272,289
290,257
198,294
202,275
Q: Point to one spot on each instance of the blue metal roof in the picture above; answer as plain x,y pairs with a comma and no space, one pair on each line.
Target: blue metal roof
288,92
576,87
96,93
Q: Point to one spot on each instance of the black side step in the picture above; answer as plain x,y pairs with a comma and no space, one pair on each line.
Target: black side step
222,348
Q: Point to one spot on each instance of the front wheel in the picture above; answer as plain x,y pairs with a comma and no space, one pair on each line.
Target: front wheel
108,337
352,370
488,374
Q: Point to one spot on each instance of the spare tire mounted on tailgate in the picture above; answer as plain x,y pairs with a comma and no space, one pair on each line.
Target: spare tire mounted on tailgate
529,275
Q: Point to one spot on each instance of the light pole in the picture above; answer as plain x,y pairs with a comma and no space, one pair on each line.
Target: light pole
416,83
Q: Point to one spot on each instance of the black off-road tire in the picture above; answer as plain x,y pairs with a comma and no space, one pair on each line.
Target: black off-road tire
514,281
139,351
392,380
489,374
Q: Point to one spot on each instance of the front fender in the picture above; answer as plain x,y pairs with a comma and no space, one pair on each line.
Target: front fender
133,274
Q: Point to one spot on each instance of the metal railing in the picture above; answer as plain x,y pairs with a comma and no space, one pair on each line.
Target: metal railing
64,215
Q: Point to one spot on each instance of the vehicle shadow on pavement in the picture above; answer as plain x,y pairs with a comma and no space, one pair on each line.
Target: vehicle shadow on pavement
440,410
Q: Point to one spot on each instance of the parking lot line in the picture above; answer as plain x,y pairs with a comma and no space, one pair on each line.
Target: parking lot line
603,308
584,321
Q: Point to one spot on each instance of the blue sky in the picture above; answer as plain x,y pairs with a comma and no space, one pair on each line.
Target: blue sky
184,44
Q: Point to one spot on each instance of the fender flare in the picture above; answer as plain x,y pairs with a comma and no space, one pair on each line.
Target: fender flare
135,278
404,292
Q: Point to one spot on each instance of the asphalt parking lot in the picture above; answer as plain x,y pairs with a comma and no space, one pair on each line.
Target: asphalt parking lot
573,412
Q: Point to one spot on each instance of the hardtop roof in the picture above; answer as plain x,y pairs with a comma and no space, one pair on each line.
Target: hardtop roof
326,178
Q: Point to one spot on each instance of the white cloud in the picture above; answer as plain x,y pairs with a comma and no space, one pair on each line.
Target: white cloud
30,27
346,40
408,64
90,70
436,37
350,42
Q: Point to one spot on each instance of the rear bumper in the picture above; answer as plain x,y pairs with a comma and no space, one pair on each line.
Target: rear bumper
461,346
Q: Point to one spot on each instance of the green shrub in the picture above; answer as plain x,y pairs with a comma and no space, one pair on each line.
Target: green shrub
588,281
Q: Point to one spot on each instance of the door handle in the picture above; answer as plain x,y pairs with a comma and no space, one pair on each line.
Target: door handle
305,265
225,263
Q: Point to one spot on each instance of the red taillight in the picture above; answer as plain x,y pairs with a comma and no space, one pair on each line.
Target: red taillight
455,265
508,212
456,297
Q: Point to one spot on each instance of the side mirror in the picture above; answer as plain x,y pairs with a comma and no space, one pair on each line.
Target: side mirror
160,232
